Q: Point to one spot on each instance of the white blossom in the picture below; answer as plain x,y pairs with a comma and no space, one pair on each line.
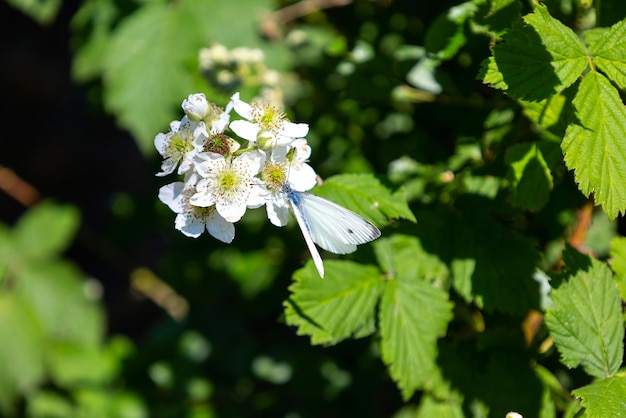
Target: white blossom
177,146
265,125
226,182
193,220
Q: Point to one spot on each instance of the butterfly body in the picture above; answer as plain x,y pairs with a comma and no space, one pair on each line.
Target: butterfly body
329,225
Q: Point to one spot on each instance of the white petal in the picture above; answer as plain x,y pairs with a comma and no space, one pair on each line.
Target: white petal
278,212
219,228
170,194
189,225
202,199
244,129
242,108
209,162
168,166
230,211
160,143
302,178
295,130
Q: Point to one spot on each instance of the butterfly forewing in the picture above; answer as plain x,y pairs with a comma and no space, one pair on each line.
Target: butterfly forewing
335,228
296,207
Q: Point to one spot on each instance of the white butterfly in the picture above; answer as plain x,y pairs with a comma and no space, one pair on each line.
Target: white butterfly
332,227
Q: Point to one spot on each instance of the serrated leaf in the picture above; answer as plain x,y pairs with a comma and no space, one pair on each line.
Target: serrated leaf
365,195
552,114
413,314
604,398
609,53
536,59
586,322
531,177
337,307
618,263
404,256
493,266
46,230
594,146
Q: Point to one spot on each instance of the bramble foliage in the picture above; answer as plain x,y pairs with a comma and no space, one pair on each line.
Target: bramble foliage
484,138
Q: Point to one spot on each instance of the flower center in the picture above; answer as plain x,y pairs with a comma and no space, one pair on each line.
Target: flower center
274,174
229,181
218,144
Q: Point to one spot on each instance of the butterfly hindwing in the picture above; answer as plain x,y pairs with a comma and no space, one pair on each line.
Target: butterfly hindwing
335,228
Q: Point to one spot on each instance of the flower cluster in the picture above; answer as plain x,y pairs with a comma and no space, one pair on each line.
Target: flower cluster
227,167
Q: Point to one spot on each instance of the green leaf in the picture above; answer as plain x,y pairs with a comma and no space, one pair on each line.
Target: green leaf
95,20
42,11
618,263
336,307
446,35
44,404
604,398
46,230
365,195
552,114
594,146
21,351
493,266
55,293
586,322
609,53
413,314
531,177
432,407
404,256
495,16
536,59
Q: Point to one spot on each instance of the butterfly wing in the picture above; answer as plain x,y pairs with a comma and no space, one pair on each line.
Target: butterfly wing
333,227
296,206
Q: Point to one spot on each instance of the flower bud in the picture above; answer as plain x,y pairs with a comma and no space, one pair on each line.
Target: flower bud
196,106
265,140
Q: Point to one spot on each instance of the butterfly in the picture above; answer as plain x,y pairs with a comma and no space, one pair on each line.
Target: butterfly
332,227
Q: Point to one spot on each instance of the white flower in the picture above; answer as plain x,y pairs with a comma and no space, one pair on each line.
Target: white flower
300,175
226,183
287,165
177,146
193,220
265,124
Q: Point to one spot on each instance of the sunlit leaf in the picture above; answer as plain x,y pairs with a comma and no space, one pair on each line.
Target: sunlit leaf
609,53
536,59
336,307
604,398
594,146
413,315
586,322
